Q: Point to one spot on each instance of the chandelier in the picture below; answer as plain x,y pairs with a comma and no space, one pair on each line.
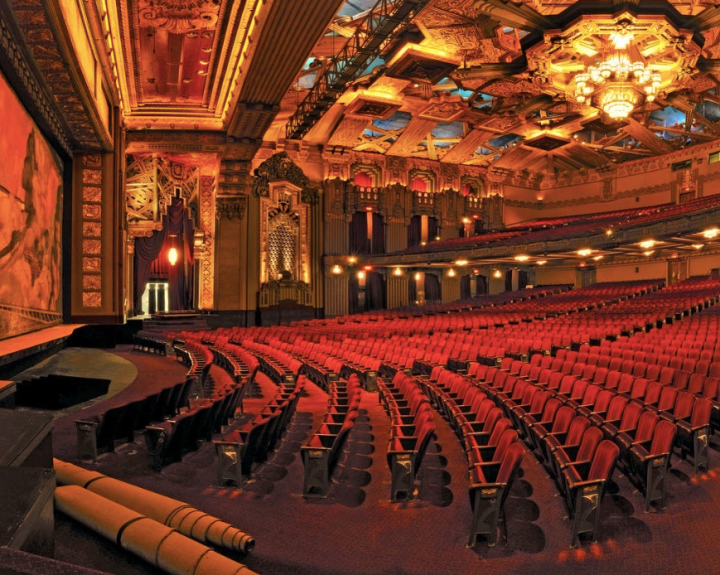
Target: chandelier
617,84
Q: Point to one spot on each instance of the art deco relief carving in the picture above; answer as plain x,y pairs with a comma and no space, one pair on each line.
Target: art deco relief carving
281,168
207,221
230,207
178,16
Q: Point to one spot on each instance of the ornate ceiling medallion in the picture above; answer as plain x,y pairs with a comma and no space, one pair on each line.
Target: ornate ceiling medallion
615,63
179,16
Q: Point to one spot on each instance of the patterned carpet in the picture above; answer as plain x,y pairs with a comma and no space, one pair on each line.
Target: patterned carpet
356,530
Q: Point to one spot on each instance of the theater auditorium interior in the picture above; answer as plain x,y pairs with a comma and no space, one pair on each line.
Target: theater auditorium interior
327,287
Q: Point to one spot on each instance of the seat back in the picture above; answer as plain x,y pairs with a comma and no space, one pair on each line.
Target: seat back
631,416
616,408
663,438
500,427
492,418
551,408
604,461
590,440
562,419
701,413
646,426
508,437
576,430
483,410
511,462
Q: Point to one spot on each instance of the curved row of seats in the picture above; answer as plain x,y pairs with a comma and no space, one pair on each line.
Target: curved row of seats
241,449
321,451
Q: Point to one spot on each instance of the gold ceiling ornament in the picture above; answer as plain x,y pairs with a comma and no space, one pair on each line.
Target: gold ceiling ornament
615,63
619,84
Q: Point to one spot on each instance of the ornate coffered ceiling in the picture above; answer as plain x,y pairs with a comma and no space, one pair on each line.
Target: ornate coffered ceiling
492,83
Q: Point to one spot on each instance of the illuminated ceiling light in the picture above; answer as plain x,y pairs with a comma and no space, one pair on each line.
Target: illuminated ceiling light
698,246
647,244
598,258
336,269
584,252
466,220
352,259
497,274
417,277
522,258
541,262
397,272
204,62
649,252
608,232
173,256
202,72
617,84
361,275
461,262
451,273
711,233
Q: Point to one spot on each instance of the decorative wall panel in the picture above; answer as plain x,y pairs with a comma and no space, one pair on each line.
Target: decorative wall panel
31,196
91,230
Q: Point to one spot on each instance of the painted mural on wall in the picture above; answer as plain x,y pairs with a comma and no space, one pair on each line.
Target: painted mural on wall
30,222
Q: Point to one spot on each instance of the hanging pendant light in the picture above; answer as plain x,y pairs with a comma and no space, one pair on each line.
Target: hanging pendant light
173,253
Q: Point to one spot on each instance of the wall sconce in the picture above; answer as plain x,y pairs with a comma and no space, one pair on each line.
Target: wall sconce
173,256
451,273
397,272
352,260
417,277
361,275
336,269
497,274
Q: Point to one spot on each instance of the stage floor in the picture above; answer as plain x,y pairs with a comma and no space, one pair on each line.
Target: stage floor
15,348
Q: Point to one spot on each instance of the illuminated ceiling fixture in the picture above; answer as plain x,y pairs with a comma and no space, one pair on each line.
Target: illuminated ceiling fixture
608,232
598,258
584,252
522,258
698,246
461,262
352,260
711,233
617,85
647,244
649,252
541,262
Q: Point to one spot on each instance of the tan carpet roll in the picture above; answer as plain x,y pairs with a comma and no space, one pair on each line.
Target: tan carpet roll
158,544
171,512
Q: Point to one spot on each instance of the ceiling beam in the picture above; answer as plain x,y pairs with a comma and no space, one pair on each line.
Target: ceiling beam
647,137
463,151
415,132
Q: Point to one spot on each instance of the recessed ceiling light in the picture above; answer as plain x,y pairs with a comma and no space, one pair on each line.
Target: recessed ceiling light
584,252
649,252
598,258
541,262
647,244
711,233
698,246
461,263
522,258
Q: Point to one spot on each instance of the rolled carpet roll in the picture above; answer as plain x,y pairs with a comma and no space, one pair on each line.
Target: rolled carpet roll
158,544
171,512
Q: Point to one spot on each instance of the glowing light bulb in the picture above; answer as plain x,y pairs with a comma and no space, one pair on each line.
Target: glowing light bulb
173,256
